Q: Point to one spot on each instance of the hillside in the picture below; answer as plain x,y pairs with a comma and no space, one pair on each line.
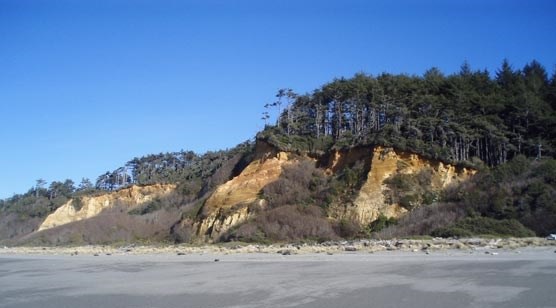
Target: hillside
385,156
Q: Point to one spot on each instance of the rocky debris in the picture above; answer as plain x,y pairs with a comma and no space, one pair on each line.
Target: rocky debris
216,260
181,253
330,247
285,252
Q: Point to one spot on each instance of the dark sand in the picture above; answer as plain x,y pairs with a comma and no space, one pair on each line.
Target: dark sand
386,279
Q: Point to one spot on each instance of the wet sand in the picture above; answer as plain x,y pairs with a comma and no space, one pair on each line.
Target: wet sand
453,278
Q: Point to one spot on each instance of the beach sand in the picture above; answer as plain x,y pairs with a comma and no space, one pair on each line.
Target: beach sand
444,278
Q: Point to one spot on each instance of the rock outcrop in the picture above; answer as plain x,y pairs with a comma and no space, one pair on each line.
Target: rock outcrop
91,206
230,204
370,202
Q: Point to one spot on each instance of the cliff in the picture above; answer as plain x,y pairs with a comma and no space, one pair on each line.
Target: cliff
91,206
371,200
231,203
241,198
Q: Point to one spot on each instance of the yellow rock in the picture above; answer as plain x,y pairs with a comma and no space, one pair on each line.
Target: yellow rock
229,204
385,162
92,206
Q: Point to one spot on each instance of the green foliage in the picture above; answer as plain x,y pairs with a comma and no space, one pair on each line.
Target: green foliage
464,118
382,222
39,202
522,189
186,168
401,181
410,190
152,206
77,203
301,143
467,118
477,226
547,171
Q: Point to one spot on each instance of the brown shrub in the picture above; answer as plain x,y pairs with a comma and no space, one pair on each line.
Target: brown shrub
300,184
423,220
182,231
13,226
286,223
346,228
114,225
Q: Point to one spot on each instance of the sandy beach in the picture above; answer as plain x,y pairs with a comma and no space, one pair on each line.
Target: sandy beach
131,277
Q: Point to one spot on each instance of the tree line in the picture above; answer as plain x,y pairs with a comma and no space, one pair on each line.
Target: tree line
457,118
171,167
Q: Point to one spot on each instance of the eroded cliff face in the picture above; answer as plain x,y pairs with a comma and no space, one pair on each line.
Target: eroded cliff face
370,201
92,206
231,203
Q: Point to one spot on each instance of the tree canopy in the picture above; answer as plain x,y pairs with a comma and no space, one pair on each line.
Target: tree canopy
458,118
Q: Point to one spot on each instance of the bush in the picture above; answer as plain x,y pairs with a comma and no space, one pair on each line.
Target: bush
423,220
410,190
148,207
172,200
77,203
520,189
182,231
401,181
473,226
286,223
299,184
277,137
381,222
346,228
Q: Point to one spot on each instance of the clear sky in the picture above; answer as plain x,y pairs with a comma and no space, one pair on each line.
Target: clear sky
87,85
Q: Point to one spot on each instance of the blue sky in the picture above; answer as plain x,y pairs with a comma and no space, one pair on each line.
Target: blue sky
87,85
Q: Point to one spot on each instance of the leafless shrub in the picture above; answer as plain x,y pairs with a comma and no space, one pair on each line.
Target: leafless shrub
182,231
287,223
247,232
13,226
423,220
113,225
301,184
347,228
